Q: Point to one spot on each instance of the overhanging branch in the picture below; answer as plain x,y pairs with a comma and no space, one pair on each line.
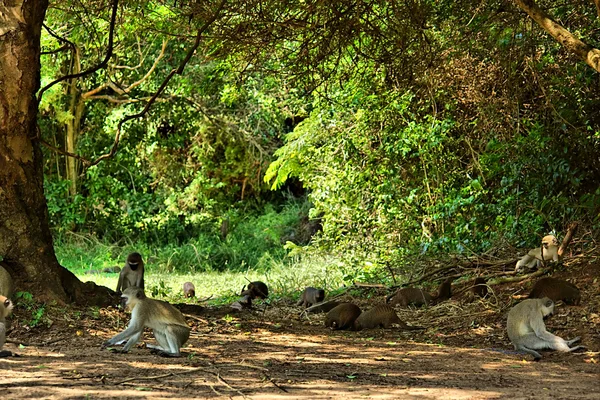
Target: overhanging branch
587,53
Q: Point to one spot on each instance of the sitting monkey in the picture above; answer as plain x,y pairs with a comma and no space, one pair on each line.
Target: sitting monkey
533,259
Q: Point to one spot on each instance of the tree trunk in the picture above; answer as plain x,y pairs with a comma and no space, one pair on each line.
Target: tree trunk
25,242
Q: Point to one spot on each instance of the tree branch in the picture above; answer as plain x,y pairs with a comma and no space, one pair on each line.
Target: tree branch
584,51
97,67
162,87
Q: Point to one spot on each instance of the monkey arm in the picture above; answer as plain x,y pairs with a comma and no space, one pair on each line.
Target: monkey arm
120,283
132,334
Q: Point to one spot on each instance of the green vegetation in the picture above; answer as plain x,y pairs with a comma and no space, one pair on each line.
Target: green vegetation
318,155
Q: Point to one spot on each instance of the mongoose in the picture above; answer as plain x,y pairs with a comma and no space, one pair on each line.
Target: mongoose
444,291
112,270
407,296
479,287
311,296
382,315
256,289
556,289
325,307
342,316
189,290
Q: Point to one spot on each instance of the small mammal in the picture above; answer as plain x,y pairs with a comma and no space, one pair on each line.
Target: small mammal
556,289
342,316
533,259
7,285
325,307
167,323
311,296
380,316
6,307
132,274
189,290
444,291
407,296
479,288
112,270
256,289
527,331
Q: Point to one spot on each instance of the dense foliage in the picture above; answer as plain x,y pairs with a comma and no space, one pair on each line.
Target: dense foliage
412,127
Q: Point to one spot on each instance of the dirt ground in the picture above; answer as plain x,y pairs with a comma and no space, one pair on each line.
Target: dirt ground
273,353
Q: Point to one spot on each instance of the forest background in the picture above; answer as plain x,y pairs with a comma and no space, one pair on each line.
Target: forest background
387,134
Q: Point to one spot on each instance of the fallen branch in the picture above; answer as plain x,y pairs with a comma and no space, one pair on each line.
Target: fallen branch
149,378
565,243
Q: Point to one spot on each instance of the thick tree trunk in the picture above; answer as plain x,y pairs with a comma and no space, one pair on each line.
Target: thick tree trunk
25,241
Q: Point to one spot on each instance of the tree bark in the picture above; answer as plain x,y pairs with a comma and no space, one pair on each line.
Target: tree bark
584,51
26,245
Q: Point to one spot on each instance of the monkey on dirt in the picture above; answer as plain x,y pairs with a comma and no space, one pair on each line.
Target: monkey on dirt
6,307
132,274
533,259
527,331
167,323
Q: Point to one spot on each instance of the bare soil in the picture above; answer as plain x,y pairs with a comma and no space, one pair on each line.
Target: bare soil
272,352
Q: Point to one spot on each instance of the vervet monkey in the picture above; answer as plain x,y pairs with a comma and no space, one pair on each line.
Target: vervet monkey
6,307
527,331
533,259
256,289
189,290
311,296
132,274
167,323
6,283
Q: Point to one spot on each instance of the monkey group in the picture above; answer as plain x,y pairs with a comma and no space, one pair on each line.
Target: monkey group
525,323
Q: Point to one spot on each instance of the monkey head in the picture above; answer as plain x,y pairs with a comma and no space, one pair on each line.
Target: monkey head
131,296
546,306
549,240
7,306
134,259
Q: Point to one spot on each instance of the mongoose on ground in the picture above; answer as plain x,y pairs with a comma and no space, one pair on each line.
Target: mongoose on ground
479,287
444,291
382,315
311,296
407,296
112,270
325,307
342,316
556,289
256,289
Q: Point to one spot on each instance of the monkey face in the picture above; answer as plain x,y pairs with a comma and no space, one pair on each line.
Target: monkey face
547,307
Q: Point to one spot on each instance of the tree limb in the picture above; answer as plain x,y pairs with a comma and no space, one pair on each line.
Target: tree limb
584,51
104,62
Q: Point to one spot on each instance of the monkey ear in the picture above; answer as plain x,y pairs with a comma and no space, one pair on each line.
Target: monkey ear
140,294
6,303
548,303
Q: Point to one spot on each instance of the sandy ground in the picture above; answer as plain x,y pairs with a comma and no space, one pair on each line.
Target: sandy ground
273,353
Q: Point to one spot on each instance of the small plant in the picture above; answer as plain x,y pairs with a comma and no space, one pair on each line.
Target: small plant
160,290
36,310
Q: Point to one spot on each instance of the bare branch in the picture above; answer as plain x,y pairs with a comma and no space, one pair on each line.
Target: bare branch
97,67
162,87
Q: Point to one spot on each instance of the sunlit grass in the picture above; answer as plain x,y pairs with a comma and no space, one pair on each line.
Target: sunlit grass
284,279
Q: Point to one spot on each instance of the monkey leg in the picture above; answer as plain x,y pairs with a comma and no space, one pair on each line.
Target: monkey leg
132,341
575,340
